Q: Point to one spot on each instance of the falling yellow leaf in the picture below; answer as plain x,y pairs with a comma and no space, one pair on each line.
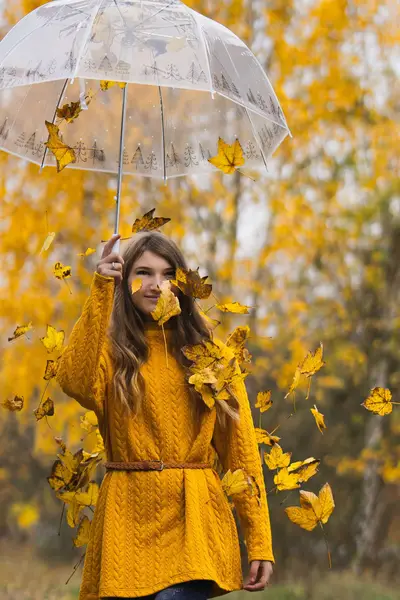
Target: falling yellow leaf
191,284
314,509
319,418
295,382
305,469
167,304
70,112
46,409
148,222
379,401
263,437
136,285
14,404
53,340
234,307
106,85
48,241
83,532
21,330
61,271
263,401
236,342
51,369
64,154
229,157
277,459
313,362
285,480
211,323
87,252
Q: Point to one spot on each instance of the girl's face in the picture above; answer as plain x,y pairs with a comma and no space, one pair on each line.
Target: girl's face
152,270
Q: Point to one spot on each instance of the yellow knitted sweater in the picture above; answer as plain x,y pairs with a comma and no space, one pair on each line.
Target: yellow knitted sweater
153,529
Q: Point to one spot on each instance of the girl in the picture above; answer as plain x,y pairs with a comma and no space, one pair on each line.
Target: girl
162,527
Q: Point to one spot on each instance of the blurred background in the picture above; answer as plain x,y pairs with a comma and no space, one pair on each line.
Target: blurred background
313,246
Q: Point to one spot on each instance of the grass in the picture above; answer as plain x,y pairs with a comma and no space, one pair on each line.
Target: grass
23,576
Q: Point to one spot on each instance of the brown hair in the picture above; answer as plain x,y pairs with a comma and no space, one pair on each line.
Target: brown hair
127,329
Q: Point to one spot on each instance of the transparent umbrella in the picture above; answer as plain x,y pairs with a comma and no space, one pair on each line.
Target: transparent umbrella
189,81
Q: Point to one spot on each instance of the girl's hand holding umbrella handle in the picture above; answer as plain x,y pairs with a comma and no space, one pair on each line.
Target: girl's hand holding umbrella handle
111,255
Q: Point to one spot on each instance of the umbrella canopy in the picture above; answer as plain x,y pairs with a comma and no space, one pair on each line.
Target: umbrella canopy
190,81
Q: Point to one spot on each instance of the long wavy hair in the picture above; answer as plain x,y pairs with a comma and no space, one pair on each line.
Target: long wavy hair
127,330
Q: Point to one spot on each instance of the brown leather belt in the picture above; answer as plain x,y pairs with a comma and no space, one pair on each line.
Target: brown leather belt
152,465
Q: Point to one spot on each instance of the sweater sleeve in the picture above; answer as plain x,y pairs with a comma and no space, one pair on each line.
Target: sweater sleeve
237,448
82,372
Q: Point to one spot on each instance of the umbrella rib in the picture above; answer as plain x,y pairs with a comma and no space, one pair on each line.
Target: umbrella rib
162,133
54,118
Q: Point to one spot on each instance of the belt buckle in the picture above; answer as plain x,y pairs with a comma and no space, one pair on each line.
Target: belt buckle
161,465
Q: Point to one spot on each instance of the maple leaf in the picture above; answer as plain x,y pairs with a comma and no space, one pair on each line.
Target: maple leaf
89,421
51,369
295,382
64,155
70,112
87,252
53,340
379,401
263,401
46,409
14,404
205,354
148,222
48,241
61,271
285,480
263,437
82,534
314,509
106,85
191,284
234,307
234,482
319,418
236,341
229,157
167,304
21,330
277,459
312,363
304,469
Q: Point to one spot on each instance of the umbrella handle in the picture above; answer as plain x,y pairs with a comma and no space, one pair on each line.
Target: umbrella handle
116,246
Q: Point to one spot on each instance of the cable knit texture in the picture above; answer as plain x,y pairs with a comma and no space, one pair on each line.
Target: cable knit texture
153,529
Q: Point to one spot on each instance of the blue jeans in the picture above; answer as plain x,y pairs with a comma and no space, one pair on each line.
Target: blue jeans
197,589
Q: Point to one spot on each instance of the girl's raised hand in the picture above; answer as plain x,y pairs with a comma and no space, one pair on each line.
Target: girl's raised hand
104,266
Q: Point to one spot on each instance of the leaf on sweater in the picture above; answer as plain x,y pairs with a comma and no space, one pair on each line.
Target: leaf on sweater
46,409
53,340
235,482
205,354
82,535
285,480
63,153
236,342
319,418
263,401
61,271
87,252
234,307
13,404
21,330
263,437
379,401
167,304
277,459
148,222
229,157
314,509
191,284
